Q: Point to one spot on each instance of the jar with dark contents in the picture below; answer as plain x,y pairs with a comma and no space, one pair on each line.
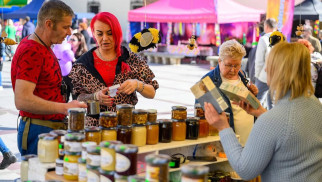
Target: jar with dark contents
152,115
73,142
152,133
139,116
126,159
194,173
124,134
179,112
93,134
165,130
108,134
179,129
93,156
124,114
108,119
76,119
106,176
108,155
192,128
157,168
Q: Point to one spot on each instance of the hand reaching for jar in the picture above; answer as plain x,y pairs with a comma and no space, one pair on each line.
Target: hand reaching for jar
128,87
103,98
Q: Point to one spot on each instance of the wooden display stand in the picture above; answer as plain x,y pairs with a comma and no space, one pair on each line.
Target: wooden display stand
53,176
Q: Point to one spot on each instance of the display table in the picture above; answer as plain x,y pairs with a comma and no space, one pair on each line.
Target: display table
53,176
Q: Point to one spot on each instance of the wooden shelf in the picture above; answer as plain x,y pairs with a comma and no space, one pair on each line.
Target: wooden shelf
176,144
199,163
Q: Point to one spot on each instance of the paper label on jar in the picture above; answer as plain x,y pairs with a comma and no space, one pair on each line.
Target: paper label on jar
185,179
84,155
92,177
122,163
82,174
93,160
73,146
152,172
71,168
104,179
106,157
59,170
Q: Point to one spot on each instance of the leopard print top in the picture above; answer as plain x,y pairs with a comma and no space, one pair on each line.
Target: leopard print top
84,80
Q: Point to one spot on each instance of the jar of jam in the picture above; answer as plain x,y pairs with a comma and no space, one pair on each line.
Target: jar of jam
138,135
93,134
139,116
93,174
93,156
82,172
108,134
152,133
124,114
124,134
106,176
47,147
157,168
194,173
84,148
108,155
24,166
165,130
179,128
203,128
199,112
179,112
73,142
108,119
76,119
126,159
192,128
152,115
71,165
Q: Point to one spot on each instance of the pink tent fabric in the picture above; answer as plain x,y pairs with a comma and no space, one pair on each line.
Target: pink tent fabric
201,11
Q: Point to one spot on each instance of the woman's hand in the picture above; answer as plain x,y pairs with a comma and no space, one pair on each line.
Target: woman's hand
219,121
250,110
128,87
103,99
252,87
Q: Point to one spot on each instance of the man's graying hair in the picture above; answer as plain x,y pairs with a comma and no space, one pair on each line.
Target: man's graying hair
53,10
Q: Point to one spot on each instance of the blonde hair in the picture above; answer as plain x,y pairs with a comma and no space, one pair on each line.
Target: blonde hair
288,68
231,49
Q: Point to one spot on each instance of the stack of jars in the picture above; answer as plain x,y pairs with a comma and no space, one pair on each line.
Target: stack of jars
108,125
124,117
152,128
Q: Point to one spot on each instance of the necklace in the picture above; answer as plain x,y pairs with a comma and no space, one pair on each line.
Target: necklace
103,57
41,40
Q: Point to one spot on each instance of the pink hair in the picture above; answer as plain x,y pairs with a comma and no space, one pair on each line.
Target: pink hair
307,44
112,21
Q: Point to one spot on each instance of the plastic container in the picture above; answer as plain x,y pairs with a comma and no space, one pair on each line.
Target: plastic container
108,119
139,116
108,134
152,115
179,112
93,134
76,119
152,133
73,142
165,130
192,128
194,173
124,114
71,165
138,137
179,129
157,168
24,166
108,155
124,134
47,148
126,159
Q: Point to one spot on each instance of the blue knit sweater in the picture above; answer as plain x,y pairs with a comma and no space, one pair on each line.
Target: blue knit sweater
284,145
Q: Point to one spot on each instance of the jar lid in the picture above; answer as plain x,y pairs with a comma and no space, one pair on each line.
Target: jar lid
110,128
76,110
81,161
87,144
110,144
92,167
74,136
164,120
152,123
28,156
194,169
58,132
198,105
59,161
152,111
72,153
136,178
139,111
126,148
192,119
94,149
124,106
157,159
179,108
104,172
124,127
138,125
178,120
92,129
108,114
47,136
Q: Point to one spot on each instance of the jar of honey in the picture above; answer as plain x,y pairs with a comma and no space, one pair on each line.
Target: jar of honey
192,128
199,112
124,134
139,116
47,147
165,130
108,155
152,133
108,119
194,173
152,115
157,168
93,156
108,134
179,112
213,131
126,159
76,119
203,128
138,135
73,142
71,165
124,114
179,128
93,134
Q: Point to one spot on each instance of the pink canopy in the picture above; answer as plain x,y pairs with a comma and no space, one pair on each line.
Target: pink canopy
201,11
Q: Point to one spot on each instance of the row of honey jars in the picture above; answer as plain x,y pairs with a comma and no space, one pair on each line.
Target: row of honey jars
204,128
127,115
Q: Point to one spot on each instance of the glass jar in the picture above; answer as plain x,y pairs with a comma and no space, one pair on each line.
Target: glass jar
108,155
138,137
93,156
136,178
126,159
71,165
157,168
213,131
152,115
61,139
119,178
106,176
124,134
76,119
203,128
93,174
139,116
24,166
73,142
199,112
47,147
165,130
84,148
179,112
124,114
93,134
59,169
152,133
108,134
192,128
194,173
108,119
179,128
82,172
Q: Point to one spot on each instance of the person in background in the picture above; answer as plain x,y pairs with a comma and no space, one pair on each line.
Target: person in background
78,44
37,79
82,28
307,35
2,57
229,70
8,156
11,30
285,142
28,28
110,64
